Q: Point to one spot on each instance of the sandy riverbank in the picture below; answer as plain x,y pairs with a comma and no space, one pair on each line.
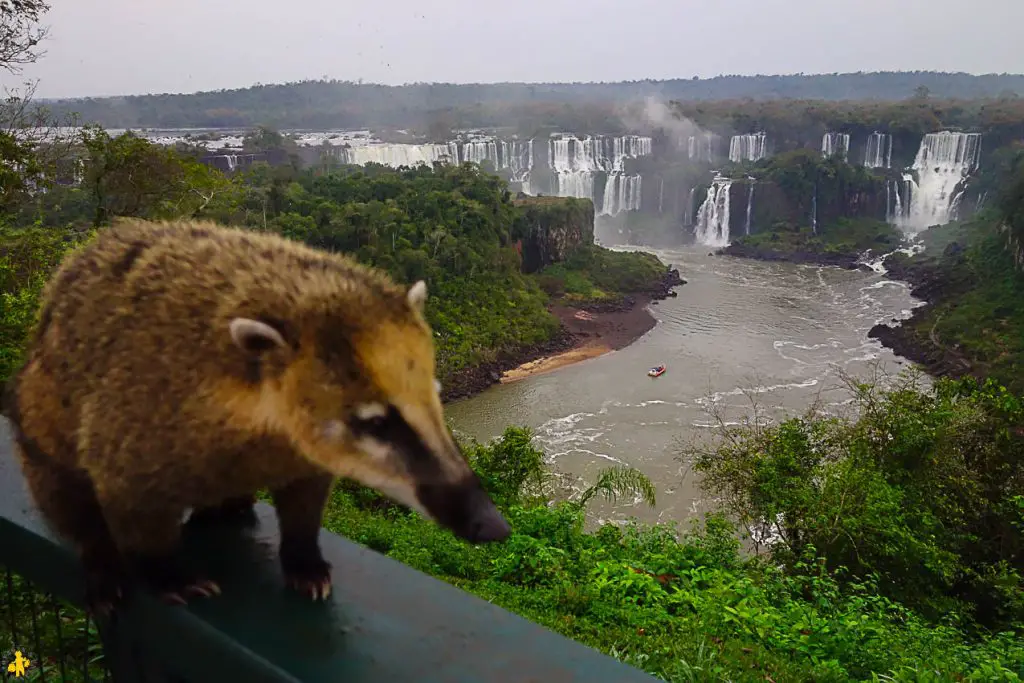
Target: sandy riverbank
586,332
596,332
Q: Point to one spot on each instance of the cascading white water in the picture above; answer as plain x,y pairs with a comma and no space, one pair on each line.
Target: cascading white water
396,155
701,148
835,144
688,216
879,151
751,147
712,227
515,156
814,211
575,162
661,195
750,206
621,193
935,183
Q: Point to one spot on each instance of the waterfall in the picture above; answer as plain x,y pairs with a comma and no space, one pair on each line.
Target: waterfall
701,147
621,193
879,151
712,227
814,210
396,155
835,144
750,147
750,206
514,156
576,161
936,181
661,195
688,216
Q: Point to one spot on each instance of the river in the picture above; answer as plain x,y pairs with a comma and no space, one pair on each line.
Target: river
740,333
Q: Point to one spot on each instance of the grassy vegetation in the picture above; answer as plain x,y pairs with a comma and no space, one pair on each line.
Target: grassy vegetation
976,297
596,274
843,241
900,537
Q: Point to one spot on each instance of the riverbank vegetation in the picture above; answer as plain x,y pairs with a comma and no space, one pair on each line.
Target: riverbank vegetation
970,275
841,243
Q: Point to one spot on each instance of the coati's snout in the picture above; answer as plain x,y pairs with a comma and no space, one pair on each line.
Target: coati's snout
439,481
466,509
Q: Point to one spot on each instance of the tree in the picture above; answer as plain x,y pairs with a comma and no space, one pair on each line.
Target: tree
19,34
130,176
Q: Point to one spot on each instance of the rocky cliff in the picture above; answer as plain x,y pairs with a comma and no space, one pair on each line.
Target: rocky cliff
550,228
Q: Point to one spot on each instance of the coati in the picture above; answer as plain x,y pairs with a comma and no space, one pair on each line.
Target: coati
187,365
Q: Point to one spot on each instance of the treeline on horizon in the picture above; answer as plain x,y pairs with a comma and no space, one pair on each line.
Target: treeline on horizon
348,104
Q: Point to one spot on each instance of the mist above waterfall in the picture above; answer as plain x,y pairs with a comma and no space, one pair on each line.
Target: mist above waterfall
653,114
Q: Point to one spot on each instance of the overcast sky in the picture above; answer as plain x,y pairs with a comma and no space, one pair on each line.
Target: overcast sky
114,47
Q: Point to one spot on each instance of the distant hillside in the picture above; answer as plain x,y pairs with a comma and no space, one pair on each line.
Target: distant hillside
341,104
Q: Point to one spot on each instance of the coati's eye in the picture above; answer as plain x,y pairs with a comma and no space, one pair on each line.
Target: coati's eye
371,418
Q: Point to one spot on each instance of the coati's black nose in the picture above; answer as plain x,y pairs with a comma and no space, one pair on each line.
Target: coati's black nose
466,509
489,526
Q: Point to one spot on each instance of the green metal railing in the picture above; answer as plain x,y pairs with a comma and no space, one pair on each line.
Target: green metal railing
384,622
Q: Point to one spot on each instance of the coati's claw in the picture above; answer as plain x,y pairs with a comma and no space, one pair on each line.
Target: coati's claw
199,588
312,588
173,599
102,594
310,576
104,586
173,583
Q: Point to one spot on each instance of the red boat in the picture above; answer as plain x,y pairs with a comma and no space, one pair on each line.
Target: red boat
656,371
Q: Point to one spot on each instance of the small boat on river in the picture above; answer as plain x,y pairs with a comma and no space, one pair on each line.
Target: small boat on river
657,371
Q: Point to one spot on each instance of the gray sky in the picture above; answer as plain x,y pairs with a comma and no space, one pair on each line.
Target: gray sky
114,47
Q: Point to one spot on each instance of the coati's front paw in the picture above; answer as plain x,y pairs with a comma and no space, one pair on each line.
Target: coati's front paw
167,578
307,572
105,583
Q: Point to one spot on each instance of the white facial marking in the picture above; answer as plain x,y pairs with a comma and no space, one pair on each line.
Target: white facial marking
335,430
368,411
437,385
418,294
375,449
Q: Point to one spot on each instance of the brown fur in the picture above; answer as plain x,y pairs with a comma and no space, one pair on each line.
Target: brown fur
136,404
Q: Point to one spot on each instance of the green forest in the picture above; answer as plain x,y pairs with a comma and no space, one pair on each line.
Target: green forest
897,533
578,106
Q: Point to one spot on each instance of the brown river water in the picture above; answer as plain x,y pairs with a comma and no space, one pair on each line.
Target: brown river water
740,334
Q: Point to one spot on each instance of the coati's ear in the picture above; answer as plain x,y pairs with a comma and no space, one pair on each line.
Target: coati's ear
255,336
417,295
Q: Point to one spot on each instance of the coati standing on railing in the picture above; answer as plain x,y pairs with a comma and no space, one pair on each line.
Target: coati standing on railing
188,365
